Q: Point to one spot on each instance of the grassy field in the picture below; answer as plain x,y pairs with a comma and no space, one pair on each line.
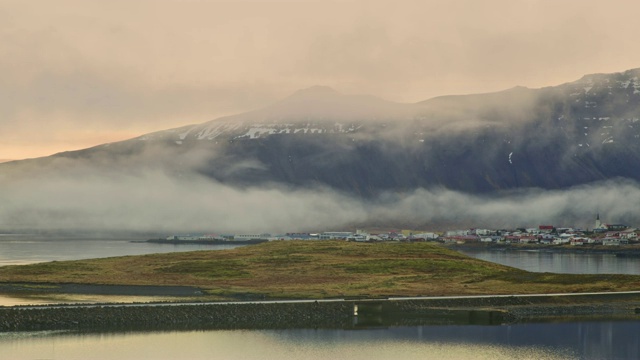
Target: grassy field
317,269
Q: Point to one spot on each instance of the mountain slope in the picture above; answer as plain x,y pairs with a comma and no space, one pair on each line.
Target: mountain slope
549,138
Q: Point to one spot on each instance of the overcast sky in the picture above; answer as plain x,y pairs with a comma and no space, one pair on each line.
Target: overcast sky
77,73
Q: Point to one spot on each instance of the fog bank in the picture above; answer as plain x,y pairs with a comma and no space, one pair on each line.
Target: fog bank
151,200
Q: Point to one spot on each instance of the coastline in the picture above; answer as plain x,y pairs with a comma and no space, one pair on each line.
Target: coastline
206,242
487,311
372,285
623,251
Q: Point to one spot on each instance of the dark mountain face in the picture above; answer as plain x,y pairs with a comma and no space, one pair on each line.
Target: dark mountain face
319,160
548,138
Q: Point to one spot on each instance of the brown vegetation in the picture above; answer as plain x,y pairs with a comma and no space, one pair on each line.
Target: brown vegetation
317,269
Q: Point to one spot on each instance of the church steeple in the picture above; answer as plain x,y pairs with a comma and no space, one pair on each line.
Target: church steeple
598,223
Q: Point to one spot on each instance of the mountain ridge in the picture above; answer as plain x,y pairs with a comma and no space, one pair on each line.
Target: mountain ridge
553,155
551,138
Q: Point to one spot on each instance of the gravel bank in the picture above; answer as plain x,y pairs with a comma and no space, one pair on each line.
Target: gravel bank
233,316
481,311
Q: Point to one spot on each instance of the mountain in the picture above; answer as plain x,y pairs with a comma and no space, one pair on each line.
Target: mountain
321,160
549,138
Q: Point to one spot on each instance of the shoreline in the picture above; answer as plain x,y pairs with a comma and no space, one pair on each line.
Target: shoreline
205,242
487,311
373,284
31,288
622,251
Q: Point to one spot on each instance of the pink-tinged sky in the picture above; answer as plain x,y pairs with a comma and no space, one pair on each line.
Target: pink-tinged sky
77,73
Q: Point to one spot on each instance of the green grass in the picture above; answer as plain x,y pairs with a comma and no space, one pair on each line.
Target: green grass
213,269
317,269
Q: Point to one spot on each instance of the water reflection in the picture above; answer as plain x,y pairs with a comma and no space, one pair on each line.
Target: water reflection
317,344
559,262
581,340
27,249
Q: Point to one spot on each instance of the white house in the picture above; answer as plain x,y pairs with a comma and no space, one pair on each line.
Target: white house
611,242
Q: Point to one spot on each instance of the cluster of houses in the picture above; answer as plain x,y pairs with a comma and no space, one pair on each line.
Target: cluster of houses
604,234
358,235
540,235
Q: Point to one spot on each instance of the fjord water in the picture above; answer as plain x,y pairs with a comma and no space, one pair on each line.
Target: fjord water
560,262
28,249
601,340
572,340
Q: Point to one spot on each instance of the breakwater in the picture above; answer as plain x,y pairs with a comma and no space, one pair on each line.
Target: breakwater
313,314
205,316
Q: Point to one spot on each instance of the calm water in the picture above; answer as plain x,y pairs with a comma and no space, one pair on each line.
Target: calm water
577,340
566,263
25,249
602,340
18,250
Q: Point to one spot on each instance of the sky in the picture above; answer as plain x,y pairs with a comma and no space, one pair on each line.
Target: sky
78,73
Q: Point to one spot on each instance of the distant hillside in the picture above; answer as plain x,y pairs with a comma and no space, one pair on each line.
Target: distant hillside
358,152
549,138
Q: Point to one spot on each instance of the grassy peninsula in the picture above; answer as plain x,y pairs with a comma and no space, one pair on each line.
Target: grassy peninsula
315,269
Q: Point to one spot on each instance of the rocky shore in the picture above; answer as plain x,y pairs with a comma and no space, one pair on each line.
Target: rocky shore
149,317
463,311
537,308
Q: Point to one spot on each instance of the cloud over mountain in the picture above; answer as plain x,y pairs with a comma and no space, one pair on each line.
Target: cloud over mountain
320,159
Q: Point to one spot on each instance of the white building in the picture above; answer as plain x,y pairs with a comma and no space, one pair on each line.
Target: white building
332,235
426,236
251,236
457,232
183,237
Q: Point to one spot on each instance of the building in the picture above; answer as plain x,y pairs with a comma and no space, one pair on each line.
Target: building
483,232
616,227
333,235
457,233
611,242
545,228
251,236
183,237
425,236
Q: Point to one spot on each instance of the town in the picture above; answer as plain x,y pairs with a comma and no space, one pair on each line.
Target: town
601,233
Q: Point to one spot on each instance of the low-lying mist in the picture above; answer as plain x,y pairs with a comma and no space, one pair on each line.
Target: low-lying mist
153,201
